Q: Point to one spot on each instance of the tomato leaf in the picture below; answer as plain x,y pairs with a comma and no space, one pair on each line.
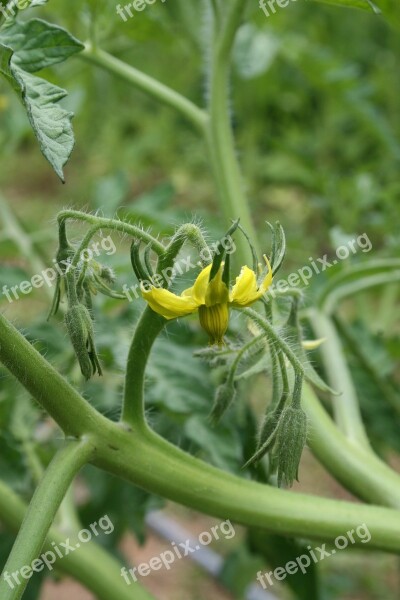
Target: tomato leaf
38,44
50,122
27,47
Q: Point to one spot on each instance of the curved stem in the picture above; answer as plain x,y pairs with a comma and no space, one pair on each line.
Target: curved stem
345,407
151,86
274,337
67,407
113,224
42,511
359,470
355,287
236,361
147,330
147,460
97,570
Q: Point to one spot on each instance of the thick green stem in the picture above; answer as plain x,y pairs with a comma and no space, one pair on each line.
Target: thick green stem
152,463
42,511
72,413
360,471
220,139
151,86
98,571
345,407
147,330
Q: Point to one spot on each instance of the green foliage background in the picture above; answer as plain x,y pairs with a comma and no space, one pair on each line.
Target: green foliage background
316,114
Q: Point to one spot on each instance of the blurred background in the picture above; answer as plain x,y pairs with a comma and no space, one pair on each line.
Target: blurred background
315,97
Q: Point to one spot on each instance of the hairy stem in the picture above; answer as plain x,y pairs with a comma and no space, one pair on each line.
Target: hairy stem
274,337
112,224
67,407
147,330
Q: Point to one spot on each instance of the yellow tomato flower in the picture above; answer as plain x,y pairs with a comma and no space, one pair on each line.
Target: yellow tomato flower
211,298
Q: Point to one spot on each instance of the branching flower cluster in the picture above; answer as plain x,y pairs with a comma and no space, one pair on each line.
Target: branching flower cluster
283,432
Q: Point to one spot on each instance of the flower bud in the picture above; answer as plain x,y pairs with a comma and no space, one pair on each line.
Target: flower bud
290,442
80,330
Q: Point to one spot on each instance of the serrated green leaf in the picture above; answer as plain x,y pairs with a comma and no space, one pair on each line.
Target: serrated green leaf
38,44
176,381
50,122
6,55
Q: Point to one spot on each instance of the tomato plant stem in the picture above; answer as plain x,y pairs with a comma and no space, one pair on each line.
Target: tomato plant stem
154,88
345,406
93,566
42,511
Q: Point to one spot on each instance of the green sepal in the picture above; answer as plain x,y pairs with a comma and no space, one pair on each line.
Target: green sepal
137,263
278,250
252,249
221,252
147,261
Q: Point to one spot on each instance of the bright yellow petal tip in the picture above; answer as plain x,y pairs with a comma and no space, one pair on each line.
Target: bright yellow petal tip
312,344
245,291
167,304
